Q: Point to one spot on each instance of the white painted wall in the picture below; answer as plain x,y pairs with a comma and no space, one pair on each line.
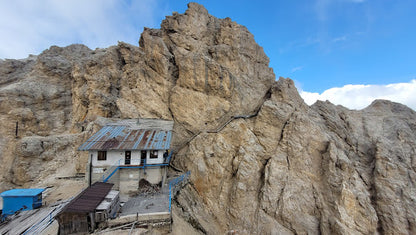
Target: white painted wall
157,160
135,157
113,158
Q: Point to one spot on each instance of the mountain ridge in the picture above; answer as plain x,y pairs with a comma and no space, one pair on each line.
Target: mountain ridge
262,161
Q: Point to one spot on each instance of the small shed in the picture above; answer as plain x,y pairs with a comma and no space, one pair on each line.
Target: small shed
109,207
79,217
21,199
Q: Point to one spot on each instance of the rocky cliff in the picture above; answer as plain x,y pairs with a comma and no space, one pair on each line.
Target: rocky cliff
262,161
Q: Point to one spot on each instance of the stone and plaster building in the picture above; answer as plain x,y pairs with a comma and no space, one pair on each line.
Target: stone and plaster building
127,151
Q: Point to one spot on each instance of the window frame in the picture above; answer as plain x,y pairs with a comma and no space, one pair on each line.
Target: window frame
153,155
102,156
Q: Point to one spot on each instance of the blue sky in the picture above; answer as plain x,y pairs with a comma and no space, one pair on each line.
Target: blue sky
363,47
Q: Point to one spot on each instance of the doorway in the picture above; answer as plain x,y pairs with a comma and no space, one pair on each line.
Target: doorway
127,158
143,157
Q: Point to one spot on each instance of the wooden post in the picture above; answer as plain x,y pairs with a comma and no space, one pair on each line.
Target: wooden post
17,128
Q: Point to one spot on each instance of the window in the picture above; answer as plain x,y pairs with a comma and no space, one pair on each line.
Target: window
102,155
153,154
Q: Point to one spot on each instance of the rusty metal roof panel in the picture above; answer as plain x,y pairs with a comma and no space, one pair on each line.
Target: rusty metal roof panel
161,140
125,138
88,199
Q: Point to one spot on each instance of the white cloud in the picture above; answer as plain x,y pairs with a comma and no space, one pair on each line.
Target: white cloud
360,96
29,27
296,69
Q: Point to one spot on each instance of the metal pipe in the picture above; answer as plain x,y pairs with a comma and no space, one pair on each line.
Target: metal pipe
132,226
90,172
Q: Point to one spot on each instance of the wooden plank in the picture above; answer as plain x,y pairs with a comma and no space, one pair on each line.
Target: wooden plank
24,220
33,220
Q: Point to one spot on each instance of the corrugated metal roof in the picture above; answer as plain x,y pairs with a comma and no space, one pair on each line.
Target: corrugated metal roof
88,199
108,200
22,192
125,138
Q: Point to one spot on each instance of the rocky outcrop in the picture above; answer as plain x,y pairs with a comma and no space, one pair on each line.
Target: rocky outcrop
295,169
262,161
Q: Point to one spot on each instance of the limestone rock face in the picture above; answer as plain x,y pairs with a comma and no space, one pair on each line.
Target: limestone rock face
261,160
295,169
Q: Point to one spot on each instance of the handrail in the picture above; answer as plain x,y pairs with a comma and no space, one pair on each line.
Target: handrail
141,164
224,124
110,171
173,183
109,176
168,158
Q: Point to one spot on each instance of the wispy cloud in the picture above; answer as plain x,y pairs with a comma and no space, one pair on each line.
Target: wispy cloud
323,7
296,69
340,39
324,43
296,44
32,26
360,96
